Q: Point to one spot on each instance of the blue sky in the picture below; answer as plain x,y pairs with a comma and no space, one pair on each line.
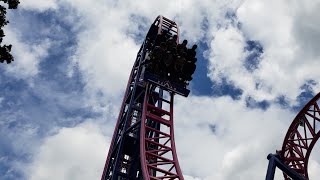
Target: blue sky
61,96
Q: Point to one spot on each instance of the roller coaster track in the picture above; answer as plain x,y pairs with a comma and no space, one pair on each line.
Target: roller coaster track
301,137
157,148
142,145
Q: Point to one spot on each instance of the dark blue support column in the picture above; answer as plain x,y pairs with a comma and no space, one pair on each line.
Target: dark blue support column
275,161
271,168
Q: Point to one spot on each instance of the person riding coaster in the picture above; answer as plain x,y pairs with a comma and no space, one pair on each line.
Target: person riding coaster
172,61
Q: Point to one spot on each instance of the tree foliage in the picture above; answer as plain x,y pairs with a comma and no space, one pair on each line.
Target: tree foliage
5,50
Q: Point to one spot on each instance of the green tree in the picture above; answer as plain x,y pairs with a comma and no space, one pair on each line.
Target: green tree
5,50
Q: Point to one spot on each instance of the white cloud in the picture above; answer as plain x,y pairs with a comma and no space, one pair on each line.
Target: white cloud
27,55
239,146
314,162
73,153
186,177
38,5
290,56
313,168
306,29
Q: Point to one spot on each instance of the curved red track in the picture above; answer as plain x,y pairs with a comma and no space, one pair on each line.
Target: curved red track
157,148
301,137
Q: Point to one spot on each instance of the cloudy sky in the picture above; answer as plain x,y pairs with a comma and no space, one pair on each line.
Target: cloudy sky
258,64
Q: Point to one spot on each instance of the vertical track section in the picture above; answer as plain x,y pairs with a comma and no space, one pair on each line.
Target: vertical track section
157,146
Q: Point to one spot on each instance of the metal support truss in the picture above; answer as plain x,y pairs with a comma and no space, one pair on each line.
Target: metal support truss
301,137
122,161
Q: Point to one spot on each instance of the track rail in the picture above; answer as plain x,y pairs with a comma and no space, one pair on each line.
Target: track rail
157,148
301,137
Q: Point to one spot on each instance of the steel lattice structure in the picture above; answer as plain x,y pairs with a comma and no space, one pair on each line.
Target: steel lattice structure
298,143
301,137
143,145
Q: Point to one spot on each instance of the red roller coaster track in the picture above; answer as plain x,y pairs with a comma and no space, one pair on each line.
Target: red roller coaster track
143,145
301,137
157,148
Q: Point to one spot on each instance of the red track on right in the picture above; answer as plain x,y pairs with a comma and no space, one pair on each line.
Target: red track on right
301,137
